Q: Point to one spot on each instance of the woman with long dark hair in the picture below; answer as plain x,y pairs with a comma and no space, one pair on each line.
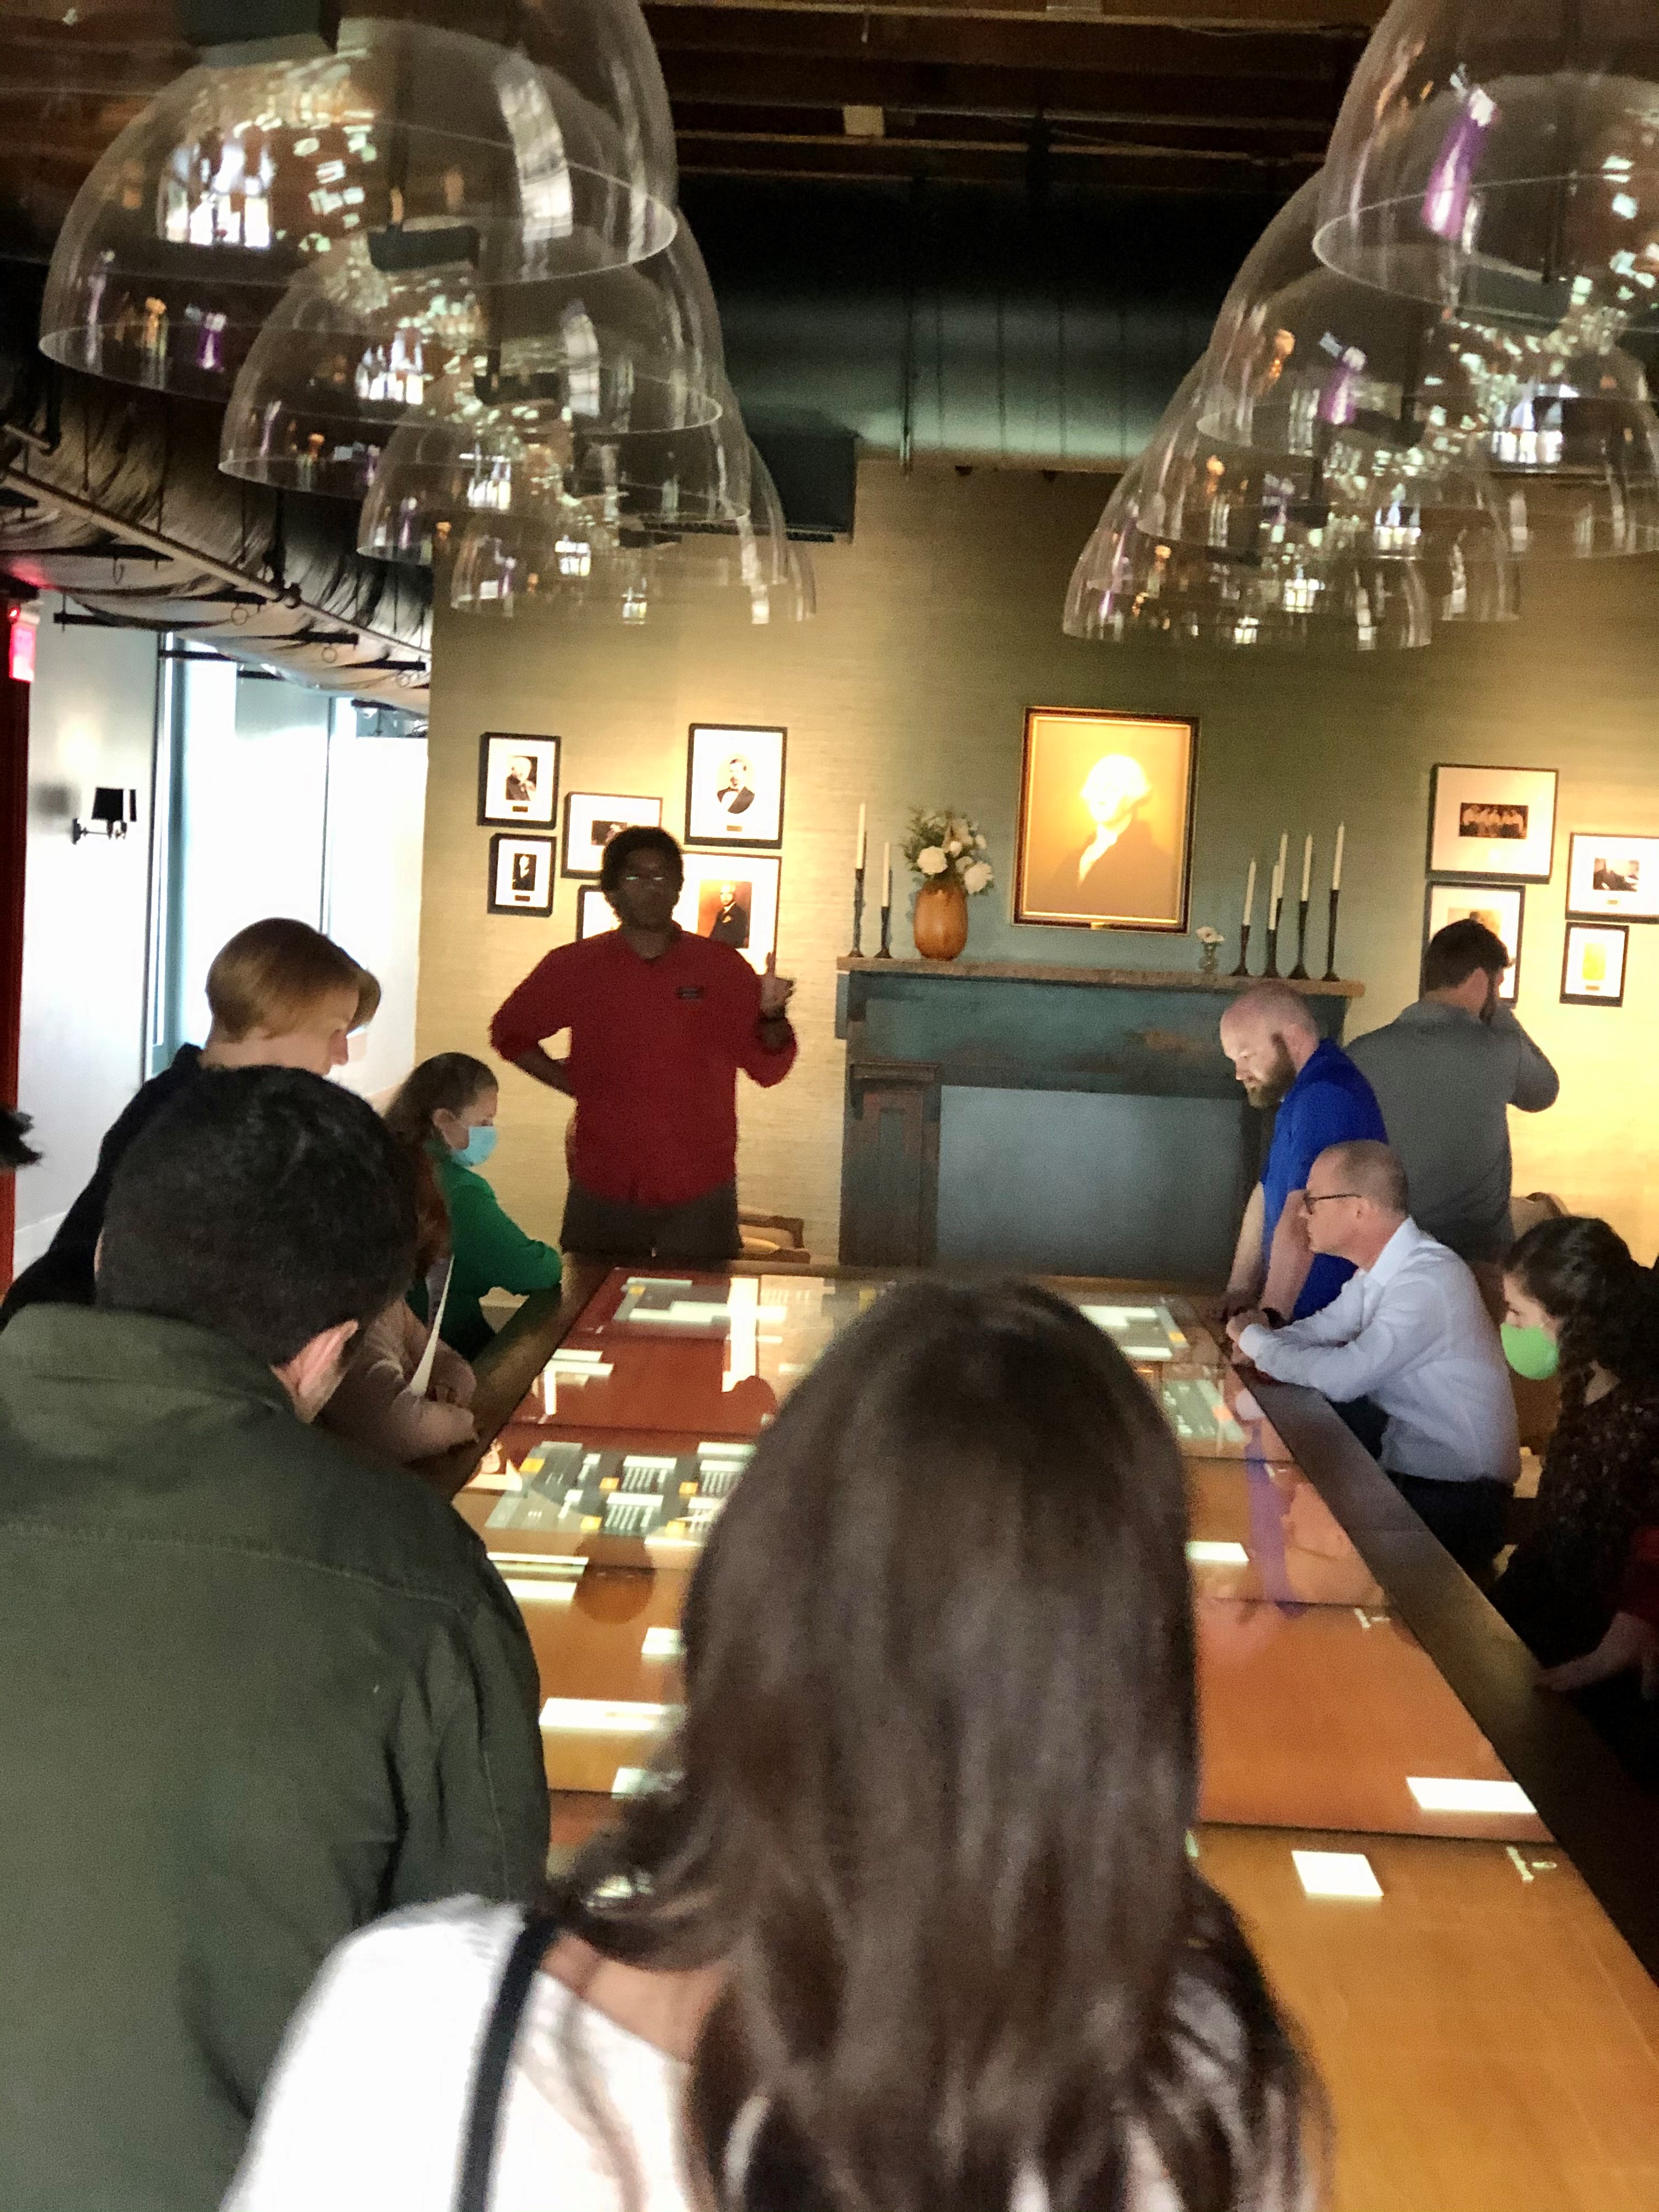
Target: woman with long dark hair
1579,1305
445,1116
906,1921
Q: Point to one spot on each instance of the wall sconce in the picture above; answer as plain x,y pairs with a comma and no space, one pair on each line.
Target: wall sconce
113,808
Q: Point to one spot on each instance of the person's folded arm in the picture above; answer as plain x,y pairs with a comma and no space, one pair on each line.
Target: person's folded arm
1394,1337
496,1250
766,1044
540,1008
770,1052
1333,1324
1536,1085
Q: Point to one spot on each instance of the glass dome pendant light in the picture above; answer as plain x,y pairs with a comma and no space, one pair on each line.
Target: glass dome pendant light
1504,162
354,345
212,199
630,573
1306,361
525,459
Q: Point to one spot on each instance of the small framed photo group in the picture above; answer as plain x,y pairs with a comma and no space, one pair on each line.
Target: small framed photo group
1493,831
734,798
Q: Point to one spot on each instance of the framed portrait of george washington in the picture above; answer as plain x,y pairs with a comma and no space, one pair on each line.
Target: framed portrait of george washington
1106,819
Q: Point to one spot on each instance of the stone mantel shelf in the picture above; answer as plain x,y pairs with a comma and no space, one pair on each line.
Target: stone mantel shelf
1120,979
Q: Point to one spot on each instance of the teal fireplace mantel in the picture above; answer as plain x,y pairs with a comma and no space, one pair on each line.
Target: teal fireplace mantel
917,1030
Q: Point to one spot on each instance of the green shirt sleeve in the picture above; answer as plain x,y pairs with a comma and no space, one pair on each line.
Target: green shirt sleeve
492,1253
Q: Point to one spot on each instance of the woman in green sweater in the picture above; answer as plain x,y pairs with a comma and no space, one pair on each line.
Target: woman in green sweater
445,1114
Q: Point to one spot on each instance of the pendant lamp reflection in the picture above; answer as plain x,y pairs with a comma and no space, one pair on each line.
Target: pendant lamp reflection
586,571
1364,389
526,460
236,175
353,348
1502,162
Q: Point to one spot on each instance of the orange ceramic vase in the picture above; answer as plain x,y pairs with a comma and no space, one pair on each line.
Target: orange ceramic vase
940,922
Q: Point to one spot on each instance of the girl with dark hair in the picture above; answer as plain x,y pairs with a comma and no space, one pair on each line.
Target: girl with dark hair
906,1921
445,1114
1577,1304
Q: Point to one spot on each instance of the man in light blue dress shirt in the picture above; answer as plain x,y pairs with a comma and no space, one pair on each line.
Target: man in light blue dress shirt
1410,1333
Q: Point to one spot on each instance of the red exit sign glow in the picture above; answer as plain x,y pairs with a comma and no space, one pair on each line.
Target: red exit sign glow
25,627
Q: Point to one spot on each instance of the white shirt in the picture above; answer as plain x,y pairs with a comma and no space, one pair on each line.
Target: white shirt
1411,1333
366,2107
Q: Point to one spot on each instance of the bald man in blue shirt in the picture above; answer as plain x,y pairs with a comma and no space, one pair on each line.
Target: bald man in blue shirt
1271,1037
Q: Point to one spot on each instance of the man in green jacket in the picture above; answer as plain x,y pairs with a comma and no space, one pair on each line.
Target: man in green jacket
256,1691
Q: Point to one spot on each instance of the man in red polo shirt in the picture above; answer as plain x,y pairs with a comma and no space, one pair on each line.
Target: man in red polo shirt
659,1023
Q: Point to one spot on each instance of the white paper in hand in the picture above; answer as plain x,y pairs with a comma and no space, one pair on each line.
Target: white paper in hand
437,1297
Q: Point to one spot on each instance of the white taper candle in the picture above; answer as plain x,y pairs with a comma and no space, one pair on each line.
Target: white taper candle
1336,870
859,862
1307,864
1249,895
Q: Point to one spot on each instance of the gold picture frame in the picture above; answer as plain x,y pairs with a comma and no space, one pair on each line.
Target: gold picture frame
1106,819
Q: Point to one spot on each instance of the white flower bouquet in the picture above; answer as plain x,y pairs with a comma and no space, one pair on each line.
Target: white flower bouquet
940,846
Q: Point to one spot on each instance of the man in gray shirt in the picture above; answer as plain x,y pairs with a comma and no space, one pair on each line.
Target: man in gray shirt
1446,1072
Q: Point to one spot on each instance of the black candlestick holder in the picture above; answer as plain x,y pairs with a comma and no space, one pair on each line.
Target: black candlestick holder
1272,968
886,952
1330,941
858,914
1299,973
1244,967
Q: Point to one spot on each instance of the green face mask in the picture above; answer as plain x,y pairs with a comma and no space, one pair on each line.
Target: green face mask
1531,1352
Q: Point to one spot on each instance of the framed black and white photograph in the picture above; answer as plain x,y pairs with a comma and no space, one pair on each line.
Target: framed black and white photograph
591,819
1501,909
595,914
1496,823
734,784
1613,875
521,875
1593,965
518,780
732,897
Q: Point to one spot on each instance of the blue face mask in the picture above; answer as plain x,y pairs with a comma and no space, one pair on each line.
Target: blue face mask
480,1144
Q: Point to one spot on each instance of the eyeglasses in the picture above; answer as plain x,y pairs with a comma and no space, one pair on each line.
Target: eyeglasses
1325,1197
646,876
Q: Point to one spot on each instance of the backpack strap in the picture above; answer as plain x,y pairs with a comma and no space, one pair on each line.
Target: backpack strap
494,2056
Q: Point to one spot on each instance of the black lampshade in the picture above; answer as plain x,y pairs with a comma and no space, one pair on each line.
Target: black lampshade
114,807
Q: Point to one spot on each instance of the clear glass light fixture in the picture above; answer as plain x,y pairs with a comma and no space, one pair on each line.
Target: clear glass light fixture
1356,384
523,459
583,569
1504,162
236,175
351,350
1236,547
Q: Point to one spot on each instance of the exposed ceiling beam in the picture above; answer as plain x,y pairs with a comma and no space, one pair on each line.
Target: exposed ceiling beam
935,88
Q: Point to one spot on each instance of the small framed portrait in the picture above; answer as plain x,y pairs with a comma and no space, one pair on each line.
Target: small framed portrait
1501,909
1613,875
734,784
518,780
1593,966
1106,819
1492,822
595,914
591,819
521,875
732,898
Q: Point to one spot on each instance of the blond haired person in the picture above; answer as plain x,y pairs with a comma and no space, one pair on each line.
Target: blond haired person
282,995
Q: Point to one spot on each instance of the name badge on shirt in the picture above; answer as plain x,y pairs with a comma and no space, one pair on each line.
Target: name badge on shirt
689,991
